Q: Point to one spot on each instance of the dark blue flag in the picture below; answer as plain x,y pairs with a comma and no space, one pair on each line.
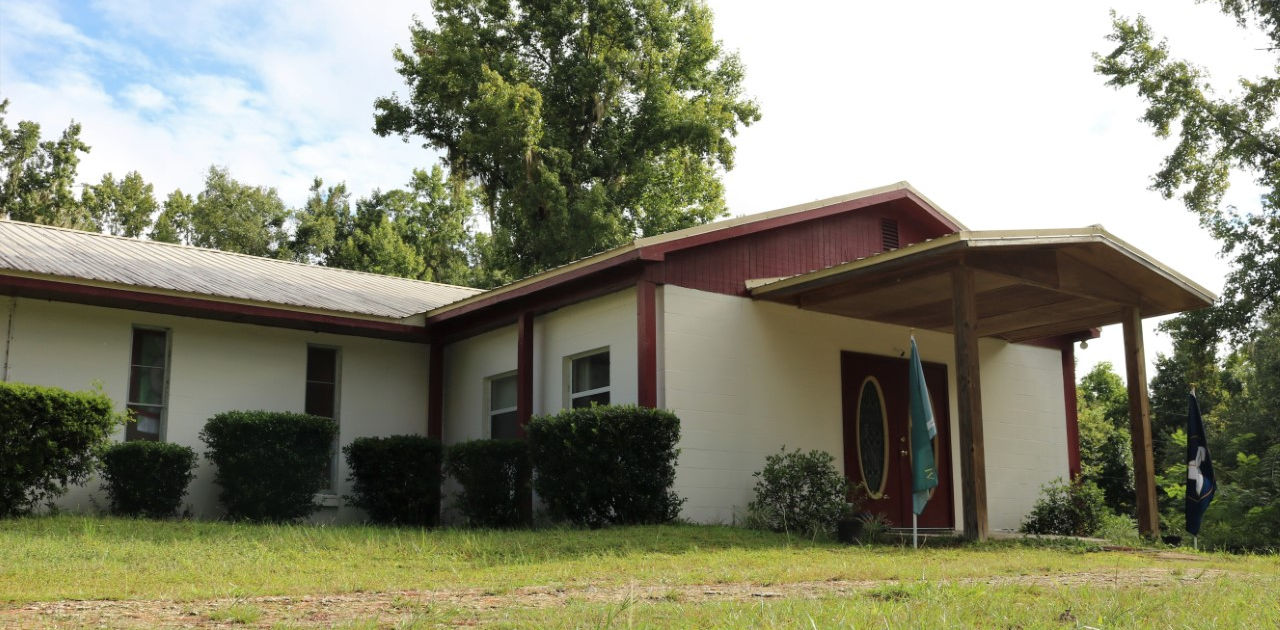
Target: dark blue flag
1200,482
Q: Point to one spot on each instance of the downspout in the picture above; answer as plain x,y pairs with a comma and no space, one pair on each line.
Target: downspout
8,338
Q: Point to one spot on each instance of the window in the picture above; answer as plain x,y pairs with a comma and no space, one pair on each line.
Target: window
322,397
148,380
502,408
589,379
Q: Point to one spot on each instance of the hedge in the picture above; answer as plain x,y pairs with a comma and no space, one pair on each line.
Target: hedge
269,464
49,438
605,465
144,478
396,479
495,476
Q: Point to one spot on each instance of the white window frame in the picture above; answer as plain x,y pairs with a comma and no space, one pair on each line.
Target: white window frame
328,497
489,411
569,394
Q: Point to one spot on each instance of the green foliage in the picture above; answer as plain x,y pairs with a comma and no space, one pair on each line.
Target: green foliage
586,124
603,465
800,493
269,464
1106,452
495,477
1067,509
1216,135
144,478
236,217
396,479
49,438
37,177
121,207
421,232
1122,530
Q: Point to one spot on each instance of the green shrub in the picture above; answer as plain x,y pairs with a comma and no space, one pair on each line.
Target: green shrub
48,440
144,478
494,475
799,492
396,479
269,464
1067,509
605,465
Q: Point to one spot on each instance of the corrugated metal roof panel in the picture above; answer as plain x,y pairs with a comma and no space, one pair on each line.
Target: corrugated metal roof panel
41,249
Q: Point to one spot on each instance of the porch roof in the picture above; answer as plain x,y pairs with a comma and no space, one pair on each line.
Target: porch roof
1029,284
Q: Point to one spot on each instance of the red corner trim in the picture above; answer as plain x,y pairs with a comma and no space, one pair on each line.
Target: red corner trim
524,371
647,344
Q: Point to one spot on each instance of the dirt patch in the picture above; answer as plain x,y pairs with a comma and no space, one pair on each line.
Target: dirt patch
390,608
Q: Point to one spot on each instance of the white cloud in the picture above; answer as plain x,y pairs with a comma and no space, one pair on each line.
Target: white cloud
146,97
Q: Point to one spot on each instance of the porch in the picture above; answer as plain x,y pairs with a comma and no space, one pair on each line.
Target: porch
1017,286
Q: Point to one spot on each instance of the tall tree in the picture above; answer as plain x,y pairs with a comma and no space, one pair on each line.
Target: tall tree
586,123
120,207
1216,135
1105,455
420,232
236,217
173,225
37,177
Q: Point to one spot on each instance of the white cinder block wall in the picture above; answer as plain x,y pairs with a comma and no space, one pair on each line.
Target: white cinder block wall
605,322
748,377
218,366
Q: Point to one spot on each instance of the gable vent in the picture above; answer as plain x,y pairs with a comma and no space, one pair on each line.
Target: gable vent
889,234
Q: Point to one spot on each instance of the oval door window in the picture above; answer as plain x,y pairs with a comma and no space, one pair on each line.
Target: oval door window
873,437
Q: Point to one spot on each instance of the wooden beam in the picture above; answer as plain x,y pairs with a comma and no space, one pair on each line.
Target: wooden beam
647,344
1068,349
524,371
973,467
1144,481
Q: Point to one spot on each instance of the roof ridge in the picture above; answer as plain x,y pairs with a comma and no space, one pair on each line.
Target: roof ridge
151,243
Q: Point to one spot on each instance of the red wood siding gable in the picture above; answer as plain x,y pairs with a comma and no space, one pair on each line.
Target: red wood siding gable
724,266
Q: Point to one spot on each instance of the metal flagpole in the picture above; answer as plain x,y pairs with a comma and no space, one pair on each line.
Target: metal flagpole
915,531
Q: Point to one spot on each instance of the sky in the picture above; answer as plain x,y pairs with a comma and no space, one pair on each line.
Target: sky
991,109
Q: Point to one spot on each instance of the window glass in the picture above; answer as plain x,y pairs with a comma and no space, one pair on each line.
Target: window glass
591,372
503,424
147,383
322,397
589,380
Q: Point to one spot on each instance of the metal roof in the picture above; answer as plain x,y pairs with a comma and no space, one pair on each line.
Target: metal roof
41,250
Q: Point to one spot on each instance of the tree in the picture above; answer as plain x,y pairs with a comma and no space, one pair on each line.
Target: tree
37,178
120,207
1216,135
173,225
422,232
585,123
1106,458
235,217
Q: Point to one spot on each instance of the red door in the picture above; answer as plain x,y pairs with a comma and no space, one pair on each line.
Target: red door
876,437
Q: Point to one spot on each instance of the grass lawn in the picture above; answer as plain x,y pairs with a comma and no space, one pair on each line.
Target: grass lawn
70,571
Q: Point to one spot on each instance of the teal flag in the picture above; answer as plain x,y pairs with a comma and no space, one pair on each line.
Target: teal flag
924,472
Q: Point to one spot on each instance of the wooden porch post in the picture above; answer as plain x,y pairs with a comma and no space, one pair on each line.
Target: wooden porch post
1144,478
973,467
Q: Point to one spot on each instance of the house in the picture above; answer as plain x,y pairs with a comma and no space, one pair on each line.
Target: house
782,328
